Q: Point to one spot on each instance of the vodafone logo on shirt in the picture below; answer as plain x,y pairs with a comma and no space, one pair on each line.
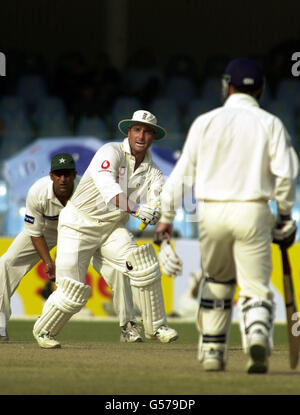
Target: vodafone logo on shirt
105,164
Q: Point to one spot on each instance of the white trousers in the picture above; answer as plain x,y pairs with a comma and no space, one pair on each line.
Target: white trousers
106,245
19,259
22,256
235,242
121,290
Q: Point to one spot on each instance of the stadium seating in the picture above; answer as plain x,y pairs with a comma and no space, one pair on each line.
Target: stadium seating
181,90
288,91
15,137
169,117
195,108
266,96
123,108
286,112
17,131
32,88
93,126
211,91
51,118
31,113
12,106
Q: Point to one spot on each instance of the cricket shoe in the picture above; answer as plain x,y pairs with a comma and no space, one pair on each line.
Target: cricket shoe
3,334
4,338
258,353
213,360
46,341
130,333
164,333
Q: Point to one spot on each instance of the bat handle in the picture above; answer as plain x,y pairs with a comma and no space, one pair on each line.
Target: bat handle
142,226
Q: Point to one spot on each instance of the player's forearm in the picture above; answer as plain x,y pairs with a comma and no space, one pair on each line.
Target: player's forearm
168,211
41,247
285,194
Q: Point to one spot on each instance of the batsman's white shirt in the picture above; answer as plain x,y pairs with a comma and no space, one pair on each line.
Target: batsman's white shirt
233,153
110,173
232,156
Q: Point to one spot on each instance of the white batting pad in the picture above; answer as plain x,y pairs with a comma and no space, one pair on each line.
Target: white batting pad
214,315
69,297
255,313
142,266
151,303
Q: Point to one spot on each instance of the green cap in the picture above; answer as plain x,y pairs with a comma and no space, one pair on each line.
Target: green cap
62,161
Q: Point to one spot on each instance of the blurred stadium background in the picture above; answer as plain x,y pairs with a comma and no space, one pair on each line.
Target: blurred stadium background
74,69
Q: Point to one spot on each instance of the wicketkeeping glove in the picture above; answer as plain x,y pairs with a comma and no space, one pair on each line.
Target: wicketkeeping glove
146,213
284,231
170,262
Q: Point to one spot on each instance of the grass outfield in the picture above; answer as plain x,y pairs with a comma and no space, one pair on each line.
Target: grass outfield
92,361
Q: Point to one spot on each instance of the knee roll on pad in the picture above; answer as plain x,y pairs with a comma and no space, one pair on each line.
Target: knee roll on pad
142,266
255,314
214,314
69,297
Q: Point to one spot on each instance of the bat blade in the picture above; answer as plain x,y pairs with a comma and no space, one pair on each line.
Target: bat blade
291,309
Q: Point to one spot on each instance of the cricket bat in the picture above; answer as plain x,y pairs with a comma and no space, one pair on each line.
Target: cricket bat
291,308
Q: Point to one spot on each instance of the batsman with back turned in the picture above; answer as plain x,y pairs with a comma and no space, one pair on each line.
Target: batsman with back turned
239,157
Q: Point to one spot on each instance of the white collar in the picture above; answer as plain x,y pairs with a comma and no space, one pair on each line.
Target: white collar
50,192
241,100
126,147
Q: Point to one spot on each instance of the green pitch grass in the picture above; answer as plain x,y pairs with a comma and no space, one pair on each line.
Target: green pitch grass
92,361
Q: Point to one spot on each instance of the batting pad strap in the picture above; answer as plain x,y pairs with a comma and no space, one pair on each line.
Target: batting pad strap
255,314
257,311
214,315
255,303
214,296
217,304
142,266
220,338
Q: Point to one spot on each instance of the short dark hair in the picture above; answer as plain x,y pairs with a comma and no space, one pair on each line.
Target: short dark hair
245,89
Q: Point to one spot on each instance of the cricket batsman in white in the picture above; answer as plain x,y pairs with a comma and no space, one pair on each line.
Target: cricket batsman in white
45,199
120,180
239,157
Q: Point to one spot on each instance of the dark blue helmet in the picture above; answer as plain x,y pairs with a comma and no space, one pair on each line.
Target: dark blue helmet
244,72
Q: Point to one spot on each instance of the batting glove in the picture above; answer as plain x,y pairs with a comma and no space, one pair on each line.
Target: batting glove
148,214
169,261
284,231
